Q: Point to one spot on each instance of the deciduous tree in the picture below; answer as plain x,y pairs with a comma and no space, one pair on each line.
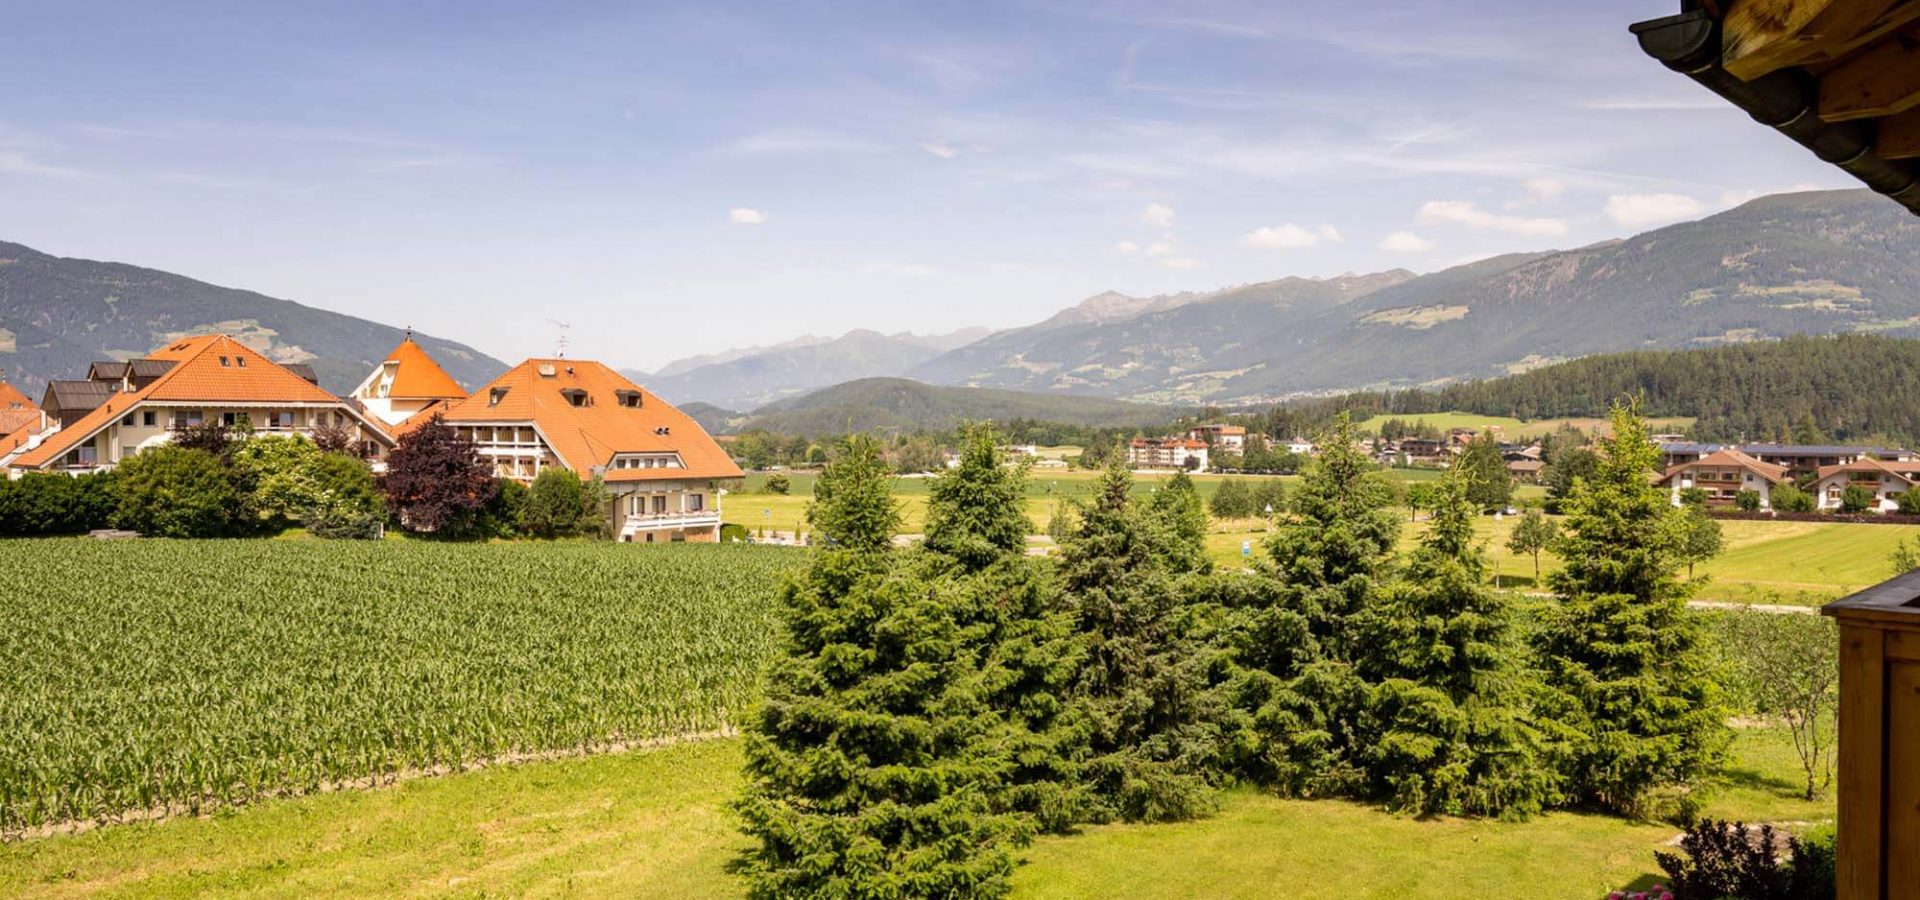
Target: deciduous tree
437,482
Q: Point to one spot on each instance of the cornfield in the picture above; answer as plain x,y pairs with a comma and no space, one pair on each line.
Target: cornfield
156,675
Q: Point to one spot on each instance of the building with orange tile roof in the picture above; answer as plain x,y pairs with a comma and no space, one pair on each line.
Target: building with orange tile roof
664,471
194,381
408,383
1224,438
1168,453
1887,479
11,398
1723,474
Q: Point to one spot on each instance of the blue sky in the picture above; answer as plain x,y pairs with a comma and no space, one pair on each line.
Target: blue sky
679,178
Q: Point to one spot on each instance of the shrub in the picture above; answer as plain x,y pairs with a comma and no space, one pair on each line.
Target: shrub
48,505
1790,498
556,505
176,492
733,534
1856,499
1909,503
1720,860
437,483
1747,501
1693,497
347,503
778,483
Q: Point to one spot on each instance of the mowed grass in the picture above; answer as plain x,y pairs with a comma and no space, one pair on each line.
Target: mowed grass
656,824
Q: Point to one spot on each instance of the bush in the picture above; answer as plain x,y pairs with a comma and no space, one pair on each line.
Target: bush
778,483
1789,498
1693,497
733,534
48,505
176,492
347,503
501,517
1747,501
556,505
1721,860
1856,499
1909,503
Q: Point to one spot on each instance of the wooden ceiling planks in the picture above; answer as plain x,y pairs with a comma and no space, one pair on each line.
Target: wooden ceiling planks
1763,36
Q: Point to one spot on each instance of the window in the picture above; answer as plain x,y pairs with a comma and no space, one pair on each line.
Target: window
229,419
147,419
576,396
127,421
240,361
282,419
188,418
659,504
696,502
224,362
496,395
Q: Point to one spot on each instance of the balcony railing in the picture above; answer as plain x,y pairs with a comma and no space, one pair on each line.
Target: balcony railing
706,518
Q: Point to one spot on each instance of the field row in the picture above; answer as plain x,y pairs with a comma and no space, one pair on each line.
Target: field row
155,673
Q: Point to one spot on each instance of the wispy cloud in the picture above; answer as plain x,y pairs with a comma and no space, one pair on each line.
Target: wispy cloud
1464,212
1405,242
1639,210
20,164
745,215
1289,236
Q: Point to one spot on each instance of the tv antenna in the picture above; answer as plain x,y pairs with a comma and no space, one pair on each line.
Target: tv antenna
560,343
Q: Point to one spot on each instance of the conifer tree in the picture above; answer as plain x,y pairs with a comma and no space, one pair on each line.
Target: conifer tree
1489,484
1232,500
974,511
1017,628
1295,684
1154,738
1179,521
869,768
1621,649
1450,706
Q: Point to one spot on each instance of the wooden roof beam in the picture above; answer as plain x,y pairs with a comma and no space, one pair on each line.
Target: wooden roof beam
1900,136
1762,36
1882,81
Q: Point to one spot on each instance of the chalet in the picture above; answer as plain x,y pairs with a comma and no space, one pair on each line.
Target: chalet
1806,460
1675,453
1887,479
194,381
664,472
21,422
1422,449
1525,471
408,383
10,396
1299,446
1222,438
1168,453
1723,474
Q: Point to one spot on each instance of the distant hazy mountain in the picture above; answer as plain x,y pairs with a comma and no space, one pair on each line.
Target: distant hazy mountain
900,404
1179,348
746,379
57,315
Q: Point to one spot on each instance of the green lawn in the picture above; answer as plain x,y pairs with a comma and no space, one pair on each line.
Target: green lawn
655,824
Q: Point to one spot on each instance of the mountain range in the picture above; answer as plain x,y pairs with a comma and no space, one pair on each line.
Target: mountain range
751,378
57,315
1807,263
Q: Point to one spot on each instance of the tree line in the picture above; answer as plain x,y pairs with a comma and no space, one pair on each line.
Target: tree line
938,705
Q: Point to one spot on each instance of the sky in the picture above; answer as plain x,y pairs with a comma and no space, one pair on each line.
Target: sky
677,178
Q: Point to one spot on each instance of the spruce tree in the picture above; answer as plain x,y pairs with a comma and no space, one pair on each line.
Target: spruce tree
1017,629
869,767
1621,649
974,510
1489,484
1295,684
1154,735
1180,522
1449,715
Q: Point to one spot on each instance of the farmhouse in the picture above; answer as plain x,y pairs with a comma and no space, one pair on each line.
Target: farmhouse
662,468
1723,474
1886,479
1168,453
124,408
408,383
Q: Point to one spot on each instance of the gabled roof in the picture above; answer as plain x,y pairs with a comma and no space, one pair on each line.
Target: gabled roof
107,371
11,398
417,377
1905,471
305,371
16,431
1727,459
68,395
587,437
210,369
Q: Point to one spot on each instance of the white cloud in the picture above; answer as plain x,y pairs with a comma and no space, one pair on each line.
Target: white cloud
741,215
1158,215
1405,242
1650,209
1544,189
1127,247
1288,236
1464,212
1731,198
944,151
